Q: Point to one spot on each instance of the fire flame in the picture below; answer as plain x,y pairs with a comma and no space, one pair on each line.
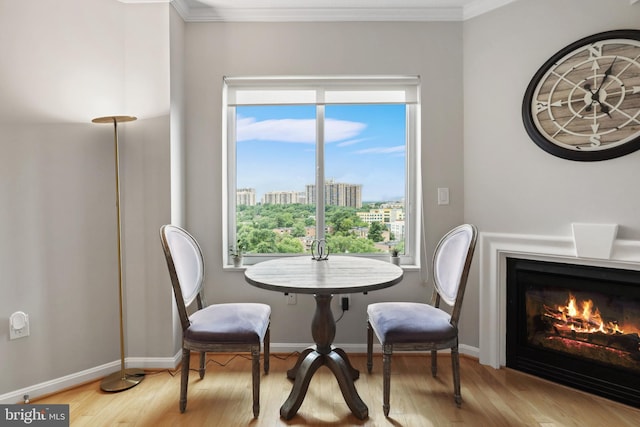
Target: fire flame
584,317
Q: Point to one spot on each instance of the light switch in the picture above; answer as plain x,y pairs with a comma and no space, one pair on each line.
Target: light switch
443,196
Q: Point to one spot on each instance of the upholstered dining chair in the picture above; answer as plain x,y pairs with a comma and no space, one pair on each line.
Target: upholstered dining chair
413,326
225,327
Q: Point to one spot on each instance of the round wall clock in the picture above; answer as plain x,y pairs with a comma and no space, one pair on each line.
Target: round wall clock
584,102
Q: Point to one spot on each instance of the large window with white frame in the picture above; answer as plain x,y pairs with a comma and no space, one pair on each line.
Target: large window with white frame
321,158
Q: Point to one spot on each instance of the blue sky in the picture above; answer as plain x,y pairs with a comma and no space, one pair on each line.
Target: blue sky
365,144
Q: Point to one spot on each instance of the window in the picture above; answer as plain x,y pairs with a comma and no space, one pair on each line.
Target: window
322,158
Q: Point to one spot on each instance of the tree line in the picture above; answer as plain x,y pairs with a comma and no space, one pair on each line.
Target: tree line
271,228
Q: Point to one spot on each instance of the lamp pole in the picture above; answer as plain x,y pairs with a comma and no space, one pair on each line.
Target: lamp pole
125,378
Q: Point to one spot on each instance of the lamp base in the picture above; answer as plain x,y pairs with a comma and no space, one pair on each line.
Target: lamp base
122,380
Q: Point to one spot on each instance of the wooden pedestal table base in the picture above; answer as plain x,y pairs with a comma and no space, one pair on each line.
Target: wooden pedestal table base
323,330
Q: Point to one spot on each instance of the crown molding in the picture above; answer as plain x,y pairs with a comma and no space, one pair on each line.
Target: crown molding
390,12
322,15
303,14
480,7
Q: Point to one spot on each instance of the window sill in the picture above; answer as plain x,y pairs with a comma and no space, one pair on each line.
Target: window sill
231,268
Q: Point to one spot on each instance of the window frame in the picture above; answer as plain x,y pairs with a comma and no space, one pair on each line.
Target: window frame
410,85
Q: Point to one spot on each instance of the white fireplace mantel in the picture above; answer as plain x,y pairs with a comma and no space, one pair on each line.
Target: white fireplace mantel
602,249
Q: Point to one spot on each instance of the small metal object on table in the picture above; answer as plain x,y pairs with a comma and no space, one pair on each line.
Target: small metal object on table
323,279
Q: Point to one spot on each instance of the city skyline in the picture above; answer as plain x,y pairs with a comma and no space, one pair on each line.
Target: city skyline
365,144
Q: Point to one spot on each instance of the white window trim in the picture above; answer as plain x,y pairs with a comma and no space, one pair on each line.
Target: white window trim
249,90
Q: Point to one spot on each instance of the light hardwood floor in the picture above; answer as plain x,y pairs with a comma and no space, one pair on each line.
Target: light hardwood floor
223,398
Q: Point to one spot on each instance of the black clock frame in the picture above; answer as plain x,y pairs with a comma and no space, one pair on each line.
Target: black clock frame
527,113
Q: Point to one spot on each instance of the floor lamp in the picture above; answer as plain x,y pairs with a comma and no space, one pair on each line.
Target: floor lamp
125,378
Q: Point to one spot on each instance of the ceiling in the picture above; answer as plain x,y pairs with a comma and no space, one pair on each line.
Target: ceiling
332,10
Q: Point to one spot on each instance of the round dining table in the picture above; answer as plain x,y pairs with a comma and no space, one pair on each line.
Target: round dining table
338,274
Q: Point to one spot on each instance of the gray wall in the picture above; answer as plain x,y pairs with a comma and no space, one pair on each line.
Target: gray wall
214,50
511,185
62,64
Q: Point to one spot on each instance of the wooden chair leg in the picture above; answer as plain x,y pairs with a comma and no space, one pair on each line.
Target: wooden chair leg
455,366
387,350
255,373
201,370
434,362
267,349
369,347
184,379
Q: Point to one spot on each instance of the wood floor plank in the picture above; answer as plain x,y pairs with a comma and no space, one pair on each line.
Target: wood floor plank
491,397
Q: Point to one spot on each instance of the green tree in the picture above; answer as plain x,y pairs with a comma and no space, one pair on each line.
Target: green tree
298,229
261,241
375,232
257,227
343,220
266,223
289,245
284,219
350,244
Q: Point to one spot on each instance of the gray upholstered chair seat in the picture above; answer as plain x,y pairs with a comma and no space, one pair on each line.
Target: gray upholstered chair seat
227,327
414,326
410,322
230,323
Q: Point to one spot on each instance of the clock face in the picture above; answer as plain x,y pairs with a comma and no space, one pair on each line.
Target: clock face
584,102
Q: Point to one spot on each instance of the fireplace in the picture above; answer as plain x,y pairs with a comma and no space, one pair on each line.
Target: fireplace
575,324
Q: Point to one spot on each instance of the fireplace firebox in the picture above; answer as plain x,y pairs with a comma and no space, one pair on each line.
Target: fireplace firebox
577,325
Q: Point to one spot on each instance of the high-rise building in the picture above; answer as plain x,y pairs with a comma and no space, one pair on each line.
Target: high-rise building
246,196
302,197
337,194
281,198
310,192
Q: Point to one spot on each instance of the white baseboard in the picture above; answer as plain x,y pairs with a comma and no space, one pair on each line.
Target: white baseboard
92,374
88,375
59,384
469,351
359,348
154,362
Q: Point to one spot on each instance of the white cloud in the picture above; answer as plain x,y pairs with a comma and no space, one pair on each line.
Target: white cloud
383,150
339,130
351,142
296,130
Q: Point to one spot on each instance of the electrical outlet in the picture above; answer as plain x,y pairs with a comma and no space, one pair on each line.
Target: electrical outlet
18,325
345,302
291,299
